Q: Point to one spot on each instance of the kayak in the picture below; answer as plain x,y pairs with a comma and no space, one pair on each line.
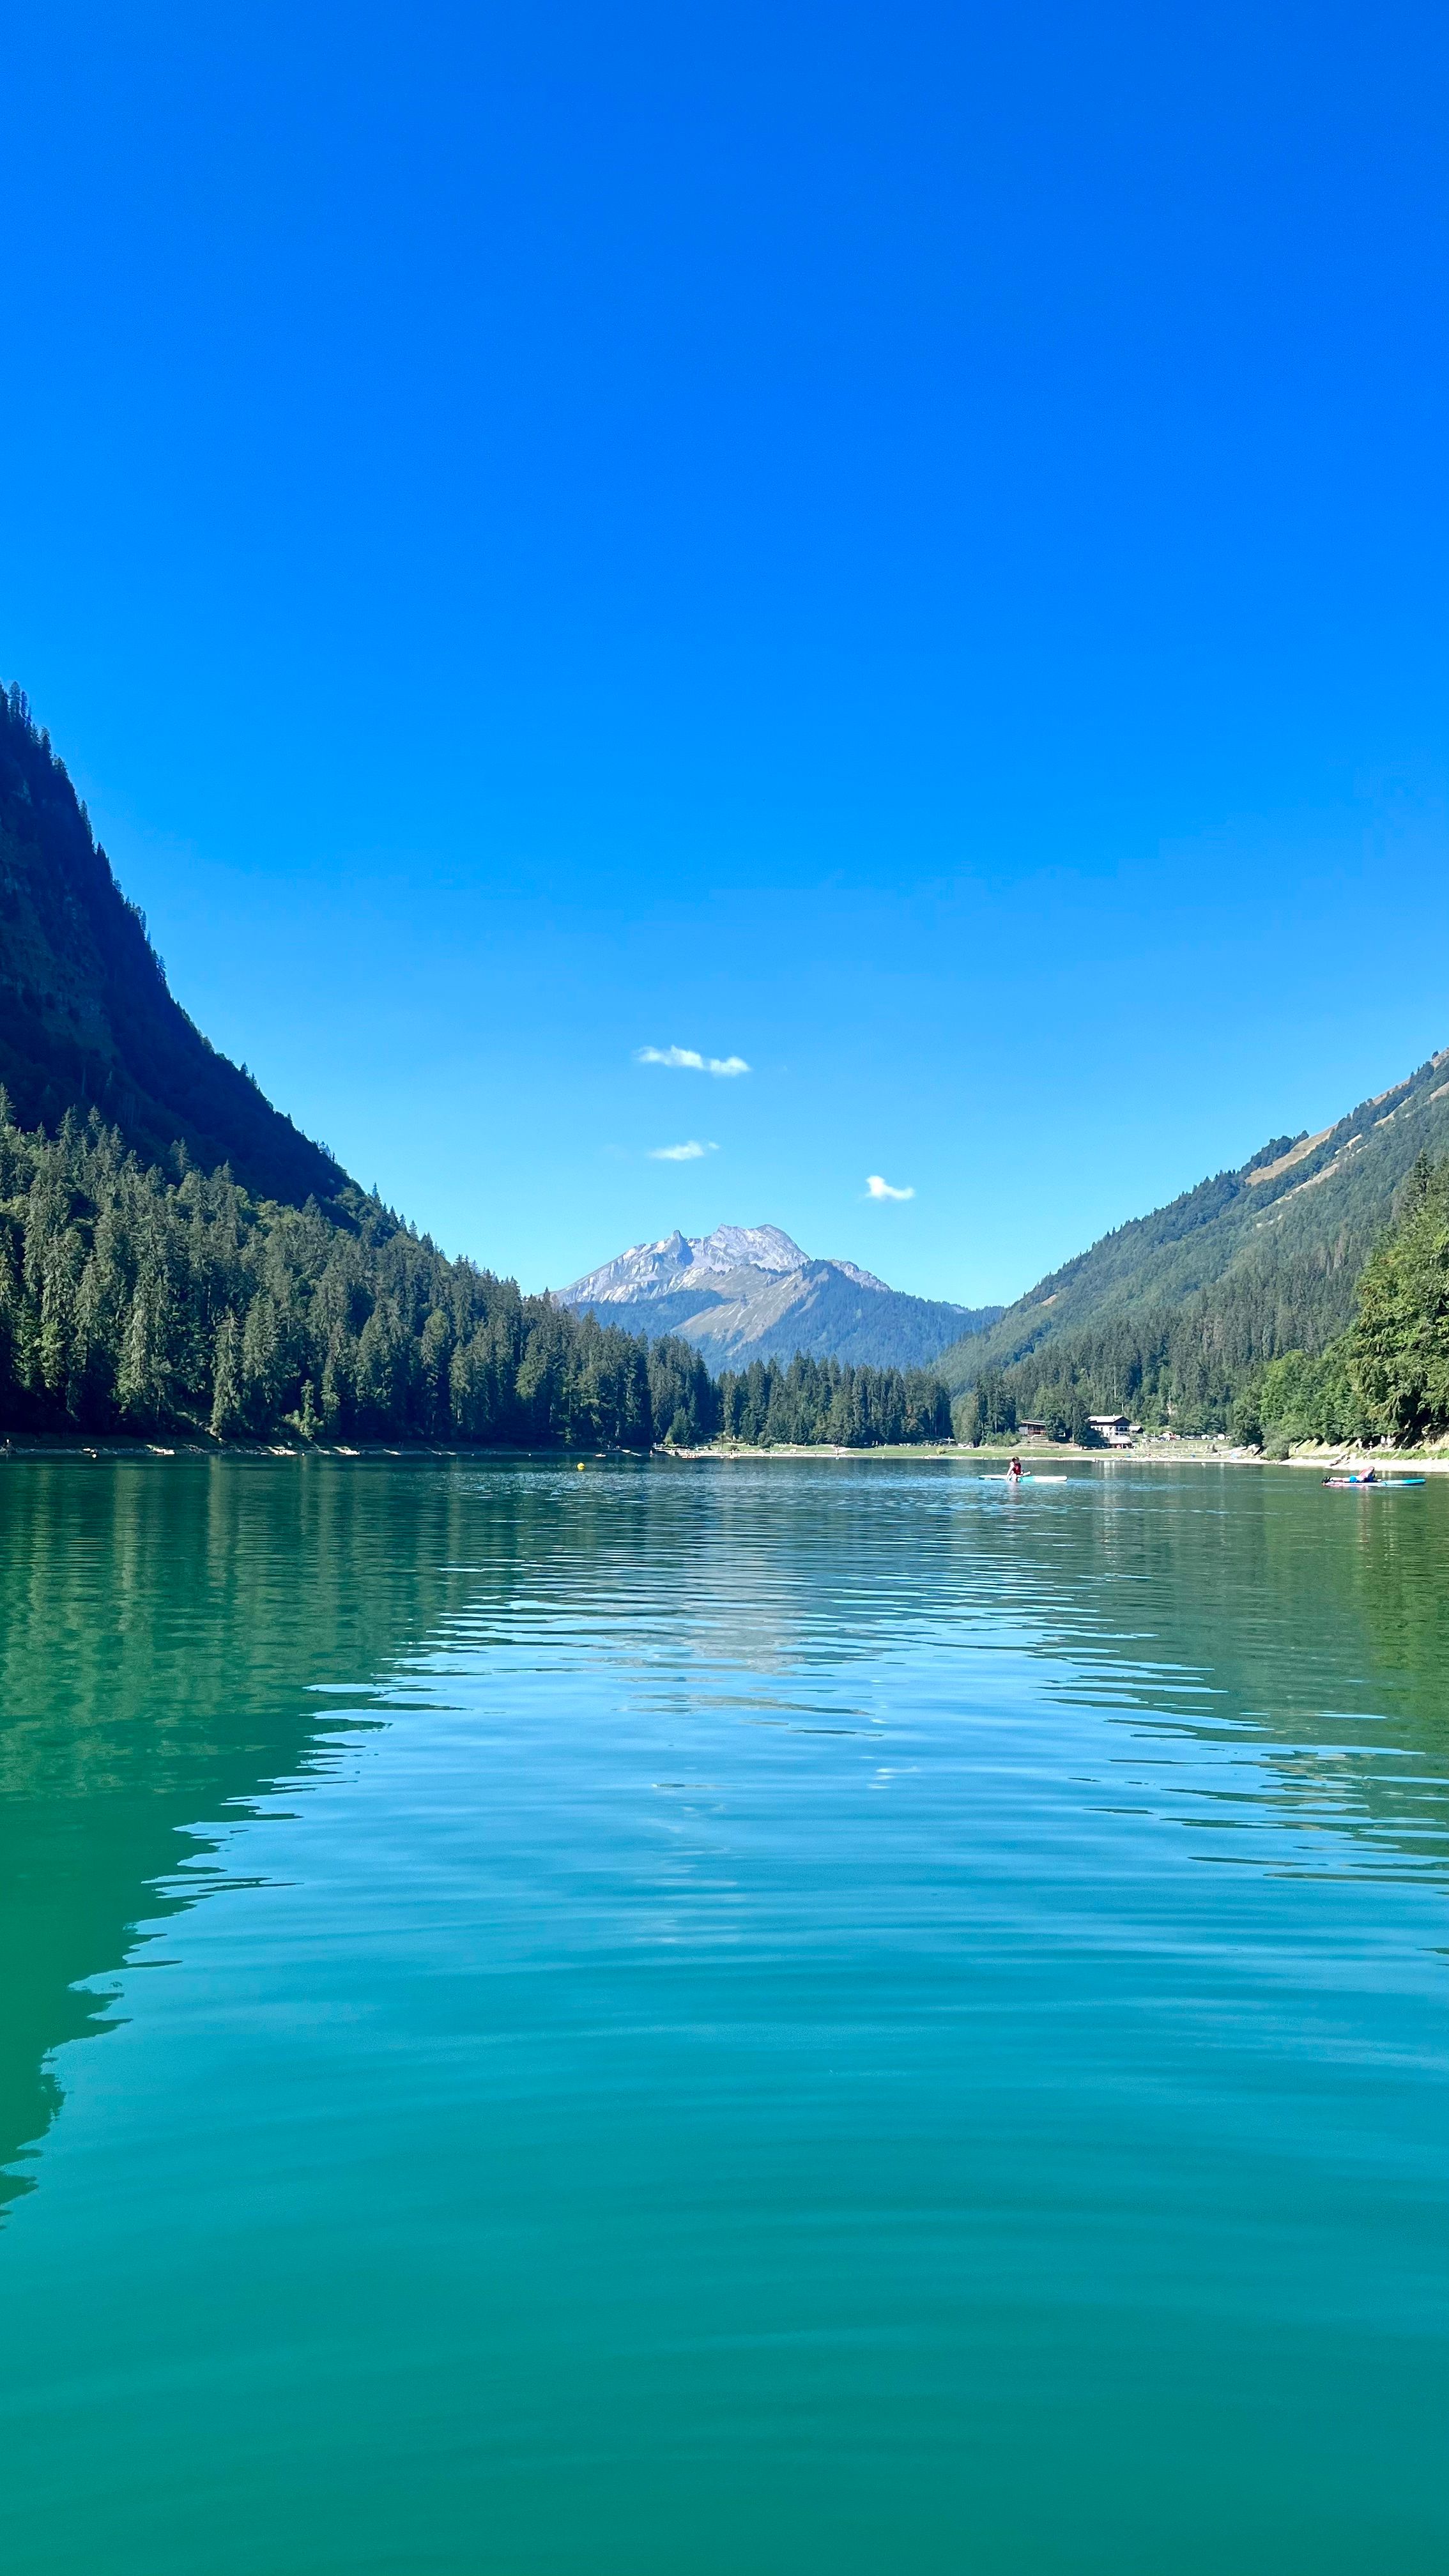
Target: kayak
1371,1484
1027,1478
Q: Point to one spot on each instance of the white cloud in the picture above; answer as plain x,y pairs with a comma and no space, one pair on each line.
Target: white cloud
688,1060
876,1188
689,1153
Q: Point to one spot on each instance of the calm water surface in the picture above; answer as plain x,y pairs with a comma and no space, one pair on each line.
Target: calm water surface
767,2017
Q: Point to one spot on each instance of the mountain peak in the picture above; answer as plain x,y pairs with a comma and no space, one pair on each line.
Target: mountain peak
679,1260
748,1247
749,1292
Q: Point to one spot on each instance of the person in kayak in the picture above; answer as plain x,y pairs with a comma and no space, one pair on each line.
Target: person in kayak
1013,1473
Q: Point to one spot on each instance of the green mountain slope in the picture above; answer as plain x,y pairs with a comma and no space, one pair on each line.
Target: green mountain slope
86,1016
1172,1311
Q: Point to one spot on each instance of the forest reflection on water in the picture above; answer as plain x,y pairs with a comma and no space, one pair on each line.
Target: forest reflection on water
874,1957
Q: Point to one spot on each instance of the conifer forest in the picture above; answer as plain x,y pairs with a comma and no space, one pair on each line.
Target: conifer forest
161,1302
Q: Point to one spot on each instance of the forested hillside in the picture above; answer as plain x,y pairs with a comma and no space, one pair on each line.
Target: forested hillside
1387,1376
133,1299
1397,1354
1173,1316
86,1017
136,1299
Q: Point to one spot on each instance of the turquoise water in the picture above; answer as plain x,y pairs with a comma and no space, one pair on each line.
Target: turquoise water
774,2016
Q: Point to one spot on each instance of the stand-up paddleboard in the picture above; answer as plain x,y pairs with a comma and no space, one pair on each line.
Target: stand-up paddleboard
1372,1484
1027,1478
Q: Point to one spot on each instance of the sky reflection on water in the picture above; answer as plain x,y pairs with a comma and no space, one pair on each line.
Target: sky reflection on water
675,2017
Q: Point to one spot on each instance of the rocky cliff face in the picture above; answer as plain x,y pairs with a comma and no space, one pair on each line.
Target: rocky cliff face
87,1019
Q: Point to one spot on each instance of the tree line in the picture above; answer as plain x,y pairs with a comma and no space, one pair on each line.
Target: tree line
813,1401
144,1300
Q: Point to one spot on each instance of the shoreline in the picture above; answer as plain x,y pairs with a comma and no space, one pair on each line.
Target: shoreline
1205,1452
1185,1452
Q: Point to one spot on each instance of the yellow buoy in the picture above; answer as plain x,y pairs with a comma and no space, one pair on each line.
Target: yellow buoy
581,1466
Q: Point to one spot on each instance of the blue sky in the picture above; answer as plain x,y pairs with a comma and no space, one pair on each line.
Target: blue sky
903,544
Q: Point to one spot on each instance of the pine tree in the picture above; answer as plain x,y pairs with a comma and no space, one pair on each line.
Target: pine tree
260,1363
226,1383
139,1389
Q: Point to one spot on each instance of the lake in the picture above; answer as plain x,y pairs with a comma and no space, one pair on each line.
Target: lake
677,2019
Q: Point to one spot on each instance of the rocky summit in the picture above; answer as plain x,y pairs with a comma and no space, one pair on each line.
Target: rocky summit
748,1292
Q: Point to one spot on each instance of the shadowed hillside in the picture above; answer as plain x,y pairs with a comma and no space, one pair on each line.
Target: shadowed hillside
86,1017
